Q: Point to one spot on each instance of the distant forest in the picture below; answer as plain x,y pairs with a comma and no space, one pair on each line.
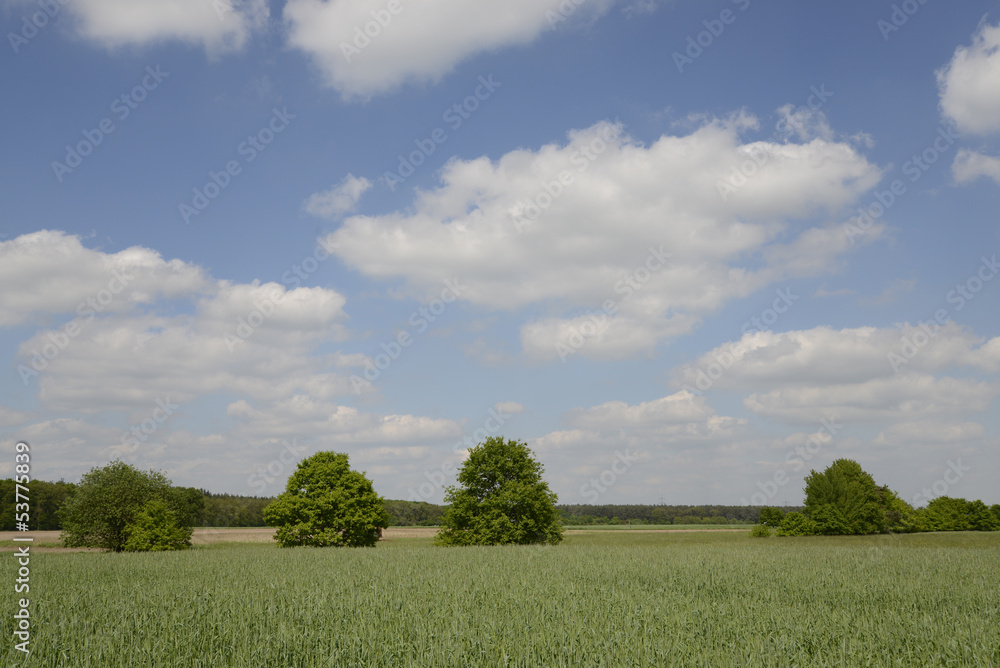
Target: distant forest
229,510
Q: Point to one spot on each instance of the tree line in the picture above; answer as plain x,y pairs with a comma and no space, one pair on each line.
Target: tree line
210,509
844,500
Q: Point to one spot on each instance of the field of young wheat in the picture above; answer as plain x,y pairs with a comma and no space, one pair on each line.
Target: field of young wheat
601,599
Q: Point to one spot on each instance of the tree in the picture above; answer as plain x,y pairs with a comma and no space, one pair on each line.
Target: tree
501,499
771,517
946,514
156,528
797,524
107,501
899,515
326,503
855,506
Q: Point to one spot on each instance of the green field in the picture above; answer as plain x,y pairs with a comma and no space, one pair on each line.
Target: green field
599,599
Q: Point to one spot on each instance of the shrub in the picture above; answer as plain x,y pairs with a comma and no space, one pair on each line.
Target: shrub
760,531
155,529
797,524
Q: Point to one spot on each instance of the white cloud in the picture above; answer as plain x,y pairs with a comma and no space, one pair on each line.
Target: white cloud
970,84
622,208
415,42
807,124
970,165
217,25
929,431
511,407
802,376
254,339
49,272
338,200
673,440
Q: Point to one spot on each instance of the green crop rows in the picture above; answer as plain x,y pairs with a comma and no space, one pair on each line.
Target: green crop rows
602,599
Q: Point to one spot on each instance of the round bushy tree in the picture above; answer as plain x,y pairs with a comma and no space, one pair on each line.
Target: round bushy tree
501,499
327,504
854,504
106,502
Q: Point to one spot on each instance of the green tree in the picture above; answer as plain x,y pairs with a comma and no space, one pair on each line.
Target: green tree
501,499
327,504
980,517
899,515
797,524
157,528
946,514
771,517
106,502
852,493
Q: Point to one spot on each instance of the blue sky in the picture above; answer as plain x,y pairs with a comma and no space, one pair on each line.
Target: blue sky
625,232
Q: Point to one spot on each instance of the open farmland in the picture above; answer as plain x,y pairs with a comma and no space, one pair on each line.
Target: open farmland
599,599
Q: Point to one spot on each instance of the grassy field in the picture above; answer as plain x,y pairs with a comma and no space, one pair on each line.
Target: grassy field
600,599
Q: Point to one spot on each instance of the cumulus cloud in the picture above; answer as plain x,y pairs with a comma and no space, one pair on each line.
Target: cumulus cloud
929,431
366,47
217,25
970,84
802,376
338,200
604,217
49,272
143,374
971,165
658,442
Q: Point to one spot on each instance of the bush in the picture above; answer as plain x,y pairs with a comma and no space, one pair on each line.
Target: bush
797,524
502,499
107,503
155,529
327,504
771,517
760,531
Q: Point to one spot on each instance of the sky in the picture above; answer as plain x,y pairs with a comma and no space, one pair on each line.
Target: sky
687,251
